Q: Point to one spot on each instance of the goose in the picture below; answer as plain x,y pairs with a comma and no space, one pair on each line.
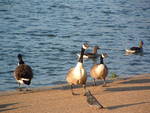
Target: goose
77,75
23,72
94,54
99,71
133,50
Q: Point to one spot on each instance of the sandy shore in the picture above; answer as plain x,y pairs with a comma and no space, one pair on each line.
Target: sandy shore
126,95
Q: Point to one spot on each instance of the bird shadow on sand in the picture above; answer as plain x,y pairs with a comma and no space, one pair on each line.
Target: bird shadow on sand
132,88
136,81
89,84
125,105
4,107
8,107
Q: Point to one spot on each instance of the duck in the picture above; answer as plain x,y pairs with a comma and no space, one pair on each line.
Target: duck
77,75
23,72
133,50
94,54
99,71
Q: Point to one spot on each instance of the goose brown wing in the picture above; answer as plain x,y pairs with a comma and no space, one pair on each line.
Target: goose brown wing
23,71
88,54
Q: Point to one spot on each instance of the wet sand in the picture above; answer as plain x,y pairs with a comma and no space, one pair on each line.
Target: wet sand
123,95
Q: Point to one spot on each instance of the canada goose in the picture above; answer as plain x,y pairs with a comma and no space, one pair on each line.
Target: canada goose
23,73
99,71
92,101
133,50
94,54
77,75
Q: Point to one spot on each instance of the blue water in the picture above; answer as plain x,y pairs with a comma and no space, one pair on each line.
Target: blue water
49,34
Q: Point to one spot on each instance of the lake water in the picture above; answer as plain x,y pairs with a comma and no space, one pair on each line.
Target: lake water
49,34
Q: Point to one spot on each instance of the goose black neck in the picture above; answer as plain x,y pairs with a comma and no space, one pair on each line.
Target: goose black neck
21,61
95,50
101,60
81,55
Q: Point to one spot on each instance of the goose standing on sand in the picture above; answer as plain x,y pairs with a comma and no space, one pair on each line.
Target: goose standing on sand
99,71
133,50
78,75
23,73
94,54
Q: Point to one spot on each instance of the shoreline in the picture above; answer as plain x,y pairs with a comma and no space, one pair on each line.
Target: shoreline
123,95
65,85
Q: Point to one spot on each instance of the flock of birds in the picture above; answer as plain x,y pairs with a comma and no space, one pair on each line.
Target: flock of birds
76,75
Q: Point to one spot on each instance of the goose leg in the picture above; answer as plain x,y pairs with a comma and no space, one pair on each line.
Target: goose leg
19,85
28,88
94,82
71,86
20,89
84,86
104,85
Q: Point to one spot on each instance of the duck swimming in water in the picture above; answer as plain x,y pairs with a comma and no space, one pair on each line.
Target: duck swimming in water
133,50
